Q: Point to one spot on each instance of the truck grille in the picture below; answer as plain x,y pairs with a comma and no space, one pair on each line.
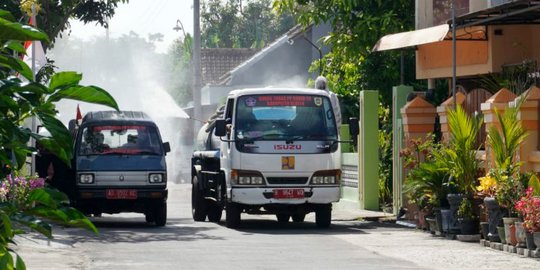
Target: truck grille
287,180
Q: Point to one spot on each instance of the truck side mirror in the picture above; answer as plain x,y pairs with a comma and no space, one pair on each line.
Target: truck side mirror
354,128
221,128
167,147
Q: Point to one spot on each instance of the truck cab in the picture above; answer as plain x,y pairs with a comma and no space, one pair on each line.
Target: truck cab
274,151
119,162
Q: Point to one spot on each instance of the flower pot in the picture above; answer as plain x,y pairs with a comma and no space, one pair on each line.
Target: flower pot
529,238
454,199
508,221
536,236
432,224
421,217
484,227
502,237
468,226
438,219
520,234
445,220
513,239
494,218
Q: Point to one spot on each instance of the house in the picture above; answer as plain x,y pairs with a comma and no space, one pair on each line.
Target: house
490,35
285,62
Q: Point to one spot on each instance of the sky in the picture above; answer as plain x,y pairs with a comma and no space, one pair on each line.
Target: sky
143,17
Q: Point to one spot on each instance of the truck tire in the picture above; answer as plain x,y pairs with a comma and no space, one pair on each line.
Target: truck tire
323,216
199,205
160,214
283,218
298,218
214,212
149,217
232,217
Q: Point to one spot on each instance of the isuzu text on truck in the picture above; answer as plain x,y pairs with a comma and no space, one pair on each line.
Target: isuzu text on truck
274,151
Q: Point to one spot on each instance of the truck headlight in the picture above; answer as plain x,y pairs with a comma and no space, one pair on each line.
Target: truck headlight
327,177
86,178
240,177
155,178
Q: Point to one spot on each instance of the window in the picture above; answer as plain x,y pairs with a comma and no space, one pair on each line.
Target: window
285,117
119,139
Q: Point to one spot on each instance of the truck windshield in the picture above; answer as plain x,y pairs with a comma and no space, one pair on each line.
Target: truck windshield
119,139
285,117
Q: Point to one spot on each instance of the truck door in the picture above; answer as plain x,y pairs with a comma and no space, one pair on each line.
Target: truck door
226,146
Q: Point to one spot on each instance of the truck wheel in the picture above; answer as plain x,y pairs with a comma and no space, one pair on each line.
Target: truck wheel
149,217
232,217
160,214
323,216
298,217
199,205
214,212
283,218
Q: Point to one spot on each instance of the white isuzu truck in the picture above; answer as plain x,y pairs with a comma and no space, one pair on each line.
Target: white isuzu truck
269,151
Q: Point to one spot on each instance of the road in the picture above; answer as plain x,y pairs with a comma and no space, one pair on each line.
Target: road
127,242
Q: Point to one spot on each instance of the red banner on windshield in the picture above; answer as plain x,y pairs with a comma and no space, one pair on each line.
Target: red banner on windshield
119,128
284,100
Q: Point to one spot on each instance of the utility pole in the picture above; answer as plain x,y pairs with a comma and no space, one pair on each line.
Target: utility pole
196,58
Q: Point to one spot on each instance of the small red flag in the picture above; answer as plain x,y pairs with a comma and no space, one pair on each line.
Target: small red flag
79,115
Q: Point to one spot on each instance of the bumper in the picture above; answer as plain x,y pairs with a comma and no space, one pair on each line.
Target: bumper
264,195
101,193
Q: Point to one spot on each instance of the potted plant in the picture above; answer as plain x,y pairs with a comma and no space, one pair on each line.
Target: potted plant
486,190
529,207
504,143
425,180
461,155
468,220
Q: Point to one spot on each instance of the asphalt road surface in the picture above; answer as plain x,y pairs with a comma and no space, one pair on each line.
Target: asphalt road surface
127,242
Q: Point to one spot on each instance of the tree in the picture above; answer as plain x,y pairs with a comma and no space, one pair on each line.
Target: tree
357,25
241,23
53,15
179,65
25,203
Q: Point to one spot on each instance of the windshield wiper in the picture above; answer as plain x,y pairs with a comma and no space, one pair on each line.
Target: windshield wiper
291,139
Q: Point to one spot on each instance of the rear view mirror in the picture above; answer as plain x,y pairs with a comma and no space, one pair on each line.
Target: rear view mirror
167,147
221,128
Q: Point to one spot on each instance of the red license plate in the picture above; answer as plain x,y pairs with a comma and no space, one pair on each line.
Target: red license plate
117,194
288,193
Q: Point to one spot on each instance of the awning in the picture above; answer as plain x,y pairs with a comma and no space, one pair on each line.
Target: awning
412,38
515,12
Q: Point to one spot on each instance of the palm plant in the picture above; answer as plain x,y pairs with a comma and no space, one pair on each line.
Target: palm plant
504,143
461,152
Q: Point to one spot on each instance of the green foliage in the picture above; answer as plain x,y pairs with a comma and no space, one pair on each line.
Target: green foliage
505,142
429,171
461,153
357,25
25,204
516,78
534,184
385,154
241,24
53,15
465,210
180,65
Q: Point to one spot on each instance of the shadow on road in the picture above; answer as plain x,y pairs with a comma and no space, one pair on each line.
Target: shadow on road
136,230
337,228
